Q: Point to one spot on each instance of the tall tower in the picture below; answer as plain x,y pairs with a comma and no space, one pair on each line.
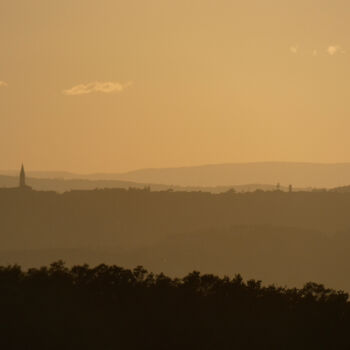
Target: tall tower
22,178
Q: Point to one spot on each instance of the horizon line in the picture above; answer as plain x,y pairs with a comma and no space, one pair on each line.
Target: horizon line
175,167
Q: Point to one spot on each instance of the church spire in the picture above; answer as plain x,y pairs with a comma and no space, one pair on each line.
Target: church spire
22,178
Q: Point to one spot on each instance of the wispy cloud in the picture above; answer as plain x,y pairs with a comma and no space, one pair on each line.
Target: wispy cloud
106,87
334,49
3,83
331,50
294,49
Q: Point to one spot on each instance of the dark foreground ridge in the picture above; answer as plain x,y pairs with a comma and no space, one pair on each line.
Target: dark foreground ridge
108,307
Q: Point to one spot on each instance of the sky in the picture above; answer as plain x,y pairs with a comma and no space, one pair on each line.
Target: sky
115,85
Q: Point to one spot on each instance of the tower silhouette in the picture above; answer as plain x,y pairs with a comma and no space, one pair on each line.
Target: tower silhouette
22,178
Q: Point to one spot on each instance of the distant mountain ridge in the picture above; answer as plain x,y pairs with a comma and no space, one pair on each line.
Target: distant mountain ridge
300,175
297,174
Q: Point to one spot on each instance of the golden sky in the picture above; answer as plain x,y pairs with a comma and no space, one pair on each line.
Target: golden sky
115,85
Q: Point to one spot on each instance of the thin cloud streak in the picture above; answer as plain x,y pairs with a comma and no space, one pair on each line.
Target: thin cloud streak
3,84
97,86
333,49
294,49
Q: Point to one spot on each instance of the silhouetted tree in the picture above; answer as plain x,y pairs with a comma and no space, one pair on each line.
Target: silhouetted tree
108,307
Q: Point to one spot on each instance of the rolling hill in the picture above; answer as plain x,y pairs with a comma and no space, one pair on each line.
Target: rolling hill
300,175
297,174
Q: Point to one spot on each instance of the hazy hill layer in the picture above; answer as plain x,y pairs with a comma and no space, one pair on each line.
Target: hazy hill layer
297,174
67,184
300,175
280,237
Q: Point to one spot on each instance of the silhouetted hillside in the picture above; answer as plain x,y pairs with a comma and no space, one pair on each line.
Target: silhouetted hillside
68,184
284,237
344,189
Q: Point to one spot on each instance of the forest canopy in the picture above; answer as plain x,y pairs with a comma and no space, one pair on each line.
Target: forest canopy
105,307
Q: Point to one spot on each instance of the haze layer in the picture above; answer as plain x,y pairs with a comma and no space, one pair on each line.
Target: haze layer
112,86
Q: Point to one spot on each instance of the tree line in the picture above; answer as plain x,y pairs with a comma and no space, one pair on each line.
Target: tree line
110,307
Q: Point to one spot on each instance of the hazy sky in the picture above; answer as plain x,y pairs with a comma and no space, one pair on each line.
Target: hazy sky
114,85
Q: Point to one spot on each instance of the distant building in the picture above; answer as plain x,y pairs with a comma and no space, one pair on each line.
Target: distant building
22,179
